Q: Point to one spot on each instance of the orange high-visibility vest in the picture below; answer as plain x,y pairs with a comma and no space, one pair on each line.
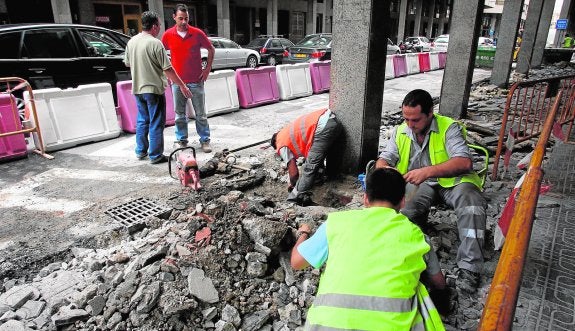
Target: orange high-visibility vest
298,135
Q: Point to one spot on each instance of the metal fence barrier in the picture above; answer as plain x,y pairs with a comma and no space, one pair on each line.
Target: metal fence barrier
11,85
499,309
527,107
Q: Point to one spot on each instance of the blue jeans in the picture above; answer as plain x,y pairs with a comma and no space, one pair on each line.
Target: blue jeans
151,121
199,103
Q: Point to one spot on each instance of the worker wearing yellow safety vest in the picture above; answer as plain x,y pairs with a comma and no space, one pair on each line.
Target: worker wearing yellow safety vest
431,152
373,258
568,41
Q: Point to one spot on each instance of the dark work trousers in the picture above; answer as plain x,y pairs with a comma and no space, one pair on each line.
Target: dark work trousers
469,206
321,143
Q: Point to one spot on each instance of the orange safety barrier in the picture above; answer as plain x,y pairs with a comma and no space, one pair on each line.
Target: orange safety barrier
499,309
527,106
11,85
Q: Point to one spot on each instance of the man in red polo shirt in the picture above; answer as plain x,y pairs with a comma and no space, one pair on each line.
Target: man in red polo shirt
184,42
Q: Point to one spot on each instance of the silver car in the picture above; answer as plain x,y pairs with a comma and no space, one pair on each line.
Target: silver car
230,55
440,43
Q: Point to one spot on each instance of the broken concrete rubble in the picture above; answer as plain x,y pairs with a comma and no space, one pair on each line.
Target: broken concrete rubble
221,260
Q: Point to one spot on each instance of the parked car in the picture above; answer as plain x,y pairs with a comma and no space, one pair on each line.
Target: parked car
440,43
271,48
230,55
485,42
420,44
392,48
313,47
62,55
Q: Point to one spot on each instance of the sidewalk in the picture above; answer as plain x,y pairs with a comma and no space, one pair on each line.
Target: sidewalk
547,297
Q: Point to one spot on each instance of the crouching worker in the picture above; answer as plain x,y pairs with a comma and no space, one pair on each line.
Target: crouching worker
309,136
374,259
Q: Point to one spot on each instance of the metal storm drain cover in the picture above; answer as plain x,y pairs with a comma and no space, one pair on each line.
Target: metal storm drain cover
134,212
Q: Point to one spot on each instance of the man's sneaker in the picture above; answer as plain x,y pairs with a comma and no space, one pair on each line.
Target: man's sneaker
206,147
180,144
141,156
467,281
160,159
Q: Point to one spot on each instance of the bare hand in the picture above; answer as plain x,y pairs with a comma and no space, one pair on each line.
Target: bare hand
204,75
416,176
304,227
186,91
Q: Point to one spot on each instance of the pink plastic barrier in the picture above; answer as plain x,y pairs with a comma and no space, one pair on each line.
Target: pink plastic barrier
424,64
12,146
128,109
319,72
399,65
257,86
442,59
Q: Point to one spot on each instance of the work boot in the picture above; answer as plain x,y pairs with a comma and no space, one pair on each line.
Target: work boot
206,147
161,159
467,281
180,144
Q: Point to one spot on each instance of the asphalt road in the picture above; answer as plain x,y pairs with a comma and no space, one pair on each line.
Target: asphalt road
48,205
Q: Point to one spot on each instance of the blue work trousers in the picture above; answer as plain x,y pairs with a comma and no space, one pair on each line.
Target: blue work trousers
150,124
199,103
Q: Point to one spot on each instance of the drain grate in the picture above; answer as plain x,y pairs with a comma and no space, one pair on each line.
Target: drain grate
136,211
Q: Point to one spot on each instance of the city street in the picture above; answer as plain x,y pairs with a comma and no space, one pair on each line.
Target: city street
48,205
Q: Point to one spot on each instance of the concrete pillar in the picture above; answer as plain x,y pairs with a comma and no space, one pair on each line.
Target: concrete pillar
465,27
310,16
328,16
564,13
223,7
61,11
529,35
510,20
418,11
360,31
431,19
272,17
157,6
401,22
442,17
542,32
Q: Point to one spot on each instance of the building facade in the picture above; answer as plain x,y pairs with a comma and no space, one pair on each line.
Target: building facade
242,20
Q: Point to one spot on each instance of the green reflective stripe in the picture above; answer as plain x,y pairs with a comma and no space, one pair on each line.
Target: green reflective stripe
363,302
294,141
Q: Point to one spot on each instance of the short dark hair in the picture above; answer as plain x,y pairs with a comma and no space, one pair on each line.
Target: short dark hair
385,184
149,19
273,140
180,7
419,98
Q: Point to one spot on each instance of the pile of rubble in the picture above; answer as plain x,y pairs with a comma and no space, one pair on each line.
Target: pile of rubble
220,261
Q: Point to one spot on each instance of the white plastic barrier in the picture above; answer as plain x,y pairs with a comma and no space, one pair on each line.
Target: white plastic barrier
412,63
221,92
389,67
75,116
434,60
294,80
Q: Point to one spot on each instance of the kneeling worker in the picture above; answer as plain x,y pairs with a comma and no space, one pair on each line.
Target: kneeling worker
374,259
309,136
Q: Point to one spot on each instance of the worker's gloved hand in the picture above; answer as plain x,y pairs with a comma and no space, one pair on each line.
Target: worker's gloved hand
290,187
442,300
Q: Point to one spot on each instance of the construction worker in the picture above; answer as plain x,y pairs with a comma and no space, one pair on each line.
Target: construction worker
309,136
374,258
568,41
431,152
